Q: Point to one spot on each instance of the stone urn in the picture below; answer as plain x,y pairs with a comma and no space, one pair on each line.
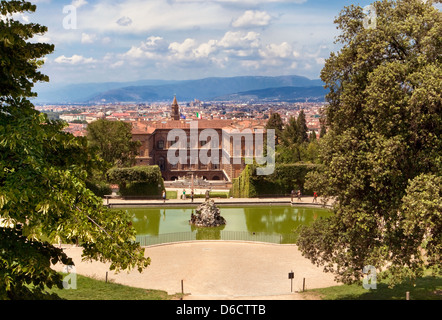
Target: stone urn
207,215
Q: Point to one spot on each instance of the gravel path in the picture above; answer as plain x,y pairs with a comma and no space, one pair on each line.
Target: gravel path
218,270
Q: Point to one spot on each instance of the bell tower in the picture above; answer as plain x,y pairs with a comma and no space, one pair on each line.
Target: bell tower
175,110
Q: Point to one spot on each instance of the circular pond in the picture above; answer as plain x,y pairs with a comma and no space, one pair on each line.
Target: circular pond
276,224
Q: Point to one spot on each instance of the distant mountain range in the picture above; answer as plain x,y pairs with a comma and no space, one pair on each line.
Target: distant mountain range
283,88
287,94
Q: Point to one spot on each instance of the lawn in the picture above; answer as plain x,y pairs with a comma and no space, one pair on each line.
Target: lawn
427,288
171,195
92,289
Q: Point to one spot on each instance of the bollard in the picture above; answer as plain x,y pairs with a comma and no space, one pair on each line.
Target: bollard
303,285
407,296
106,276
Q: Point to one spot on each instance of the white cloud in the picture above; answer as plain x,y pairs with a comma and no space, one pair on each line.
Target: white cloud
238,40
206,49
162,38
117,64
140,16
244,1
153,48
106,40
42,39
79,3
284,50
74,60
252,18
88,38
320,61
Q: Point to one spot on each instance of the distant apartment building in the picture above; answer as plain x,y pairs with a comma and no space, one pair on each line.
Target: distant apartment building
73,117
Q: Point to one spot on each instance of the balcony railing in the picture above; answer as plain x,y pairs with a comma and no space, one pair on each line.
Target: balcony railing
216,235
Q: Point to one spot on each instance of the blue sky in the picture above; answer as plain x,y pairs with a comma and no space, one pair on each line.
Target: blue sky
129,40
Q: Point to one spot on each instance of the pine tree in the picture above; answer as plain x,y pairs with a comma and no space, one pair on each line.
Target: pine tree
302,128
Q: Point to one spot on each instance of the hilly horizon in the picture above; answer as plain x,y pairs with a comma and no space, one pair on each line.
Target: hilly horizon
215,88
280,94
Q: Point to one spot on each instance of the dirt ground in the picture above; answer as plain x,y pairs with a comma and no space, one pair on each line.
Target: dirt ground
218,270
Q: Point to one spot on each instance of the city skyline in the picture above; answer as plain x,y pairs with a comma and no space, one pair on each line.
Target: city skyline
130,40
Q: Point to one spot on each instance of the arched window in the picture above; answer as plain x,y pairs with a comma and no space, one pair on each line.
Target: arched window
162,164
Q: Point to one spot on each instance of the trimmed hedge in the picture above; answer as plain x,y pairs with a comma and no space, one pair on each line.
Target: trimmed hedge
243,186
223,195
287,177
100,189
137,181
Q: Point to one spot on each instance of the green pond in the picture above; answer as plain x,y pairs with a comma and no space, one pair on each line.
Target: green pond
276,224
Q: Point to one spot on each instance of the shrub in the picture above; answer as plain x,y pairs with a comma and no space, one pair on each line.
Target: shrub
100,189
137,181
287,177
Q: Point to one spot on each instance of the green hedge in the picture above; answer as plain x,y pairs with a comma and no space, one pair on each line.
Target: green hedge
100,189
137,181
224,195
287,177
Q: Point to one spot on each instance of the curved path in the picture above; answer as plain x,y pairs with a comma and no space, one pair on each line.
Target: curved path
218,270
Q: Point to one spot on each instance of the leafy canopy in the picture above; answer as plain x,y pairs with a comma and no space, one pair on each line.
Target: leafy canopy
43,196
382,155
112,140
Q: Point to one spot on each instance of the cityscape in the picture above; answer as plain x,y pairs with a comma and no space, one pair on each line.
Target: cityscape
78,117
209,153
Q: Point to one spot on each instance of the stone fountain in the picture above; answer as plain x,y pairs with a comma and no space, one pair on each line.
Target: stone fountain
207,215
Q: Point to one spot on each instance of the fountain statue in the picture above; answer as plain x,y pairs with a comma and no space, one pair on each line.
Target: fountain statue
207,215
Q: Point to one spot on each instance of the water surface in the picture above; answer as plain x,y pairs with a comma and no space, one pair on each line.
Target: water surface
267,220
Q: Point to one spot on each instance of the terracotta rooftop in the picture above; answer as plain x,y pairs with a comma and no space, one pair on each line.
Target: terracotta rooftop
149,127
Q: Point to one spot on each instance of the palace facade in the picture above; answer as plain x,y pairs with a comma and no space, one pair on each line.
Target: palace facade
220,136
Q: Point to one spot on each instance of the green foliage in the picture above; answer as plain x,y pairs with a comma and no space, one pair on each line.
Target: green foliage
25,266
137,181
287,177
91,289
426,288
275,122
113,142
19,59
42,180
302,128
99,188
243,186
382,152
296,145
222,195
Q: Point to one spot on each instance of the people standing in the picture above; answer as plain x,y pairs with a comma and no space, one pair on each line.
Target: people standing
299,195
184,194
293,194
164,196
192,195
315,197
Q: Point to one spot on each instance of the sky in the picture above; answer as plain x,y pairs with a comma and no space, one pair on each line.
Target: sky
130,40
